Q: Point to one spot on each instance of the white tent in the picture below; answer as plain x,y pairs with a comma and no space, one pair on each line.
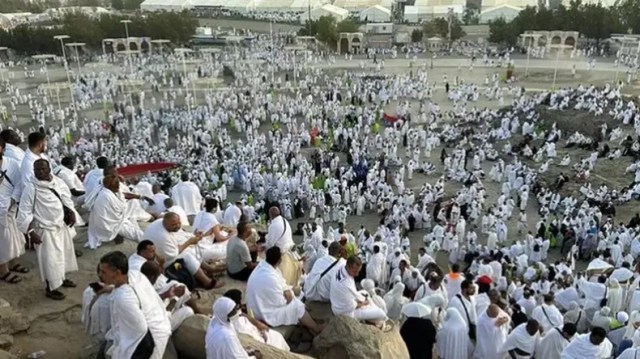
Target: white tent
360,5
416,14
490,4
165,5
305,5
506,12
376,13
325,10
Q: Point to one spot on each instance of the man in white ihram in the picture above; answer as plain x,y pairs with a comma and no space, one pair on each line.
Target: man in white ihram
345,299
186,194
11,240
137,311
280,235
317,286
110,216
41,217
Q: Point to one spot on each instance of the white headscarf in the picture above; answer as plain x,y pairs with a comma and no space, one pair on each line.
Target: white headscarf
221,309
394,301
452,341
634,317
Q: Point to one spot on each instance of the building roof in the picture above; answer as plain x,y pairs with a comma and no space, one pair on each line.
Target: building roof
360,5
171,3
435,10
306,4
333,9
515,3
448,3
501,7
379,8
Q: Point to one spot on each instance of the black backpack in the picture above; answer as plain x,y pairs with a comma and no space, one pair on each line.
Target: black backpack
178,271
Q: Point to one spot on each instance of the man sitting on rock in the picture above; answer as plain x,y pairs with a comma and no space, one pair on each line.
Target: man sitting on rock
271,300
345,299
317,286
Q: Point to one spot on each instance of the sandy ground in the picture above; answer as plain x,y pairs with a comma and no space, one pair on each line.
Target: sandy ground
56,327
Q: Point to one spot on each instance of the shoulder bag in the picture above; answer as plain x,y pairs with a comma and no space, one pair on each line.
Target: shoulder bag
472,326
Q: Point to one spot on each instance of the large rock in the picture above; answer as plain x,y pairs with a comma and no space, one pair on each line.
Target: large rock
15,323
346,338
6,355
189,341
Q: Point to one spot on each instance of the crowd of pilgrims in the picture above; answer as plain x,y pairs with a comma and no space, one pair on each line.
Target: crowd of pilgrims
324,154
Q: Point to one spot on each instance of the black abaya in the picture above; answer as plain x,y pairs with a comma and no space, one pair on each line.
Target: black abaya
419,335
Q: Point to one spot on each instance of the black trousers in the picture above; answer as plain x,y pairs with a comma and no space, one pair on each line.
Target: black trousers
243,275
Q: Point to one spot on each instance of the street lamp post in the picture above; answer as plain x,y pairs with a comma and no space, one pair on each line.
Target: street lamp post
534,39
559,48
61,38
126,23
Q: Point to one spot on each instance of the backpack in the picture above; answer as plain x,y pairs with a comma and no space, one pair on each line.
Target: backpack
178,271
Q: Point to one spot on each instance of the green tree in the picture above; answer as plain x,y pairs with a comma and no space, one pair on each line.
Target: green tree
440,27
347,25
416,35
471,16
117,4
502,32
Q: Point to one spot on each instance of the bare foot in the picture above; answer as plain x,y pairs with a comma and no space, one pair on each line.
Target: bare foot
219,284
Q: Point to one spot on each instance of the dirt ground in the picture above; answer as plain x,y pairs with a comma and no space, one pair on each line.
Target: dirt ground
56,327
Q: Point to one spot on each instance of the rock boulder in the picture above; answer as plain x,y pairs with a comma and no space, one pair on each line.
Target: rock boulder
189,341
346,338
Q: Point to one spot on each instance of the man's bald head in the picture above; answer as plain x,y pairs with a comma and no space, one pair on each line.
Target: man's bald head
151,270
171,222
274,212
493,311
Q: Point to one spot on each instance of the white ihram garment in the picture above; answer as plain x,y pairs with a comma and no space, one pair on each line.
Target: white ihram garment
452,340
136,308
317,288
551,345
221,340
187,195
265,297
167,245
109,217
43,210
11,240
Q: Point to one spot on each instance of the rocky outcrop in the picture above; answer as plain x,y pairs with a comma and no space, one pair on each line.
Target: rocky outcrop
189,341
7,355
11,321
346,338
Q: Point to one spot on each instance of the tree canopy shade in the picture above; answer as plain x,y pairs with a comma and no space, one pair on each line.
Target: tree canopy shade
593,21
29,40
440,27
326,30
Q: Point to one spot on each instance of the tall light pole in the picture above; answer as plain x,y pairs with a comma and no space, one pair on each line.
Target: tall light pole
534,40
61,38
559,48
126,23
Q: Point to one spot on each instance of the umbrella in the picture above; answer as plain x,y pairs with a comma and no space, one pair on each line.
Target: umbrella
144,168
416,310
598,265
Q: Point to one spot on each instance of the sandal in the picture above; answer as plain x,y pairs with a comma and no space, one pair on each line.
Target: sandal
68,284
18,268
78,253
55,295
11,278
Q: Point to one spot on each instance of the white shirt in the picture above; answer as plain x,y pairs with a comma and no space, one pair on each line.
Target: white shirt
343,294
319,289
136,308
279,234
231,215
69,178
187,195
